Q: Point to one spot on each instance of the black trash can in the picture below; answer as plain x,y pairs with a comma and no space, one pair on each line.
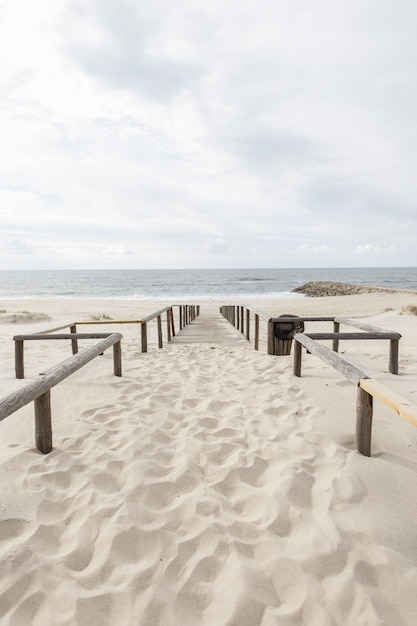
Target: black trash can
284,333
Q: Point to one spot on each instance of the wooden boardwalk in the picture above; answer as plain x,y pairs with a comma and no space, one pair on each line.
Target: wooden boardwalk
209,328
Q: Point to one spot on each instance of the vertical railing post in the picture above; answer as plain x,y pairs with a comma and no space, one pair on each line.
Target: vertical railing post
393,356
242,321
19,362
364,411
144,336
297,358
168,326
159,326
43,422
74,342
256,331
271,338
336,327
171,313
117,358
180,315
248,324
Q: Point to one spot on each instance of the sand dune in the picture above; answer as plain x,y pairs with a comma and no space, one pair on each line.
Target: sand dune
209,486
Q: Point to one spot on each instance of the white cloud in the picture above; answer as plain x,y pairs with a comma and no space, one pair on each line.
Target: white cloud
134,134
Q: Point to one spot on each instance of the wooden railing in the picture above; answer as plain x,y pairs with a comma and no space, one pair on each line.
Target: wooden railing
39,391
242,316
367,389
186,314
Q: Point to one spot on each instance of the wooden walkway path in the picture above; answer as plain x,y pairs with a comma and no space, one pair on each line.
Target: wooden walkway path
209,328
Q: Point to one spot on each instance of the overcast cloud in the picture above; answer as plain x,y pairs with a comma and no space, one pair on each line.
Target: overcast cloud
233,133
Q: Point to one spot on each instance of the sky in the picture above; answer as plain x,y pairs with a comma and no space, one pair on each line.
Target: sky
191,134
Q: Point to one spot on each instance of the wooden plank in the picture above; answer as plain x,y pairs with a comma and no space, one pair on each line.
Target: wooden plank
403,407
349,370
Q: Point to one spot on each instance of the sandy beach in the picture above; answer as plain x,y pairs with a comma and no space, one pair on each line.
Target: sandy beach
208,485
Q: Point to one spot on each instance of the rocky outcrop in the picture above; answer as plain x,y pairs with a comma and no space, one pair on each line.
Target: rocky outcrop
324,288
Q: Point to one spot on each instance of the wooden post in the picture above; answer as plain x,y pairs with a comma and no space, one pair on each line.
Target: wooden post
271,338
144,336
159,324
256,331
297,358
43,422
19,359
336,326
364,411
242,321
180,312
74,342
393,356
168,326
171,314
238,317
117,358
248,324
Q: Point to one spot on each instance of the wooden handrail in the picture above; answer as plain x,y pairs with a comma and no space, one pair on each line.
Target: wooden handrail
404,408
367,387
39,390
187,312
20,339
349,370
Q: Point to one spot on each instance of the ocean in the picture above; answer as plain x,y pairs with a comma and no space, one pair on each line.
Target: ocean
188,285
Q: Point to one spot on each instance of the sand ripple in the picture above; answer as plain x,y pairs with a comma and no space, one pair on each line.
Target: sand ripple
198,495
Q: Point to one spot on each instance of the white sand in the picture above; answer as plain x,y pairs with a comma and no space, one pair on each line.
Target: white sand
208,485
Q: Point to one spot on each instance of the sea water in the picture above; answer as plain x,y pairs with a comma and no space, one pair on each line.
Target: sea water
188,285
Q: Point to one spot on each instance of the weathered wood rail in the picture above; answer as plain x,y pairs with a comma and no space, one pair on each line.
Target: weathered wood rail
367,389
186,314
39,391
242,316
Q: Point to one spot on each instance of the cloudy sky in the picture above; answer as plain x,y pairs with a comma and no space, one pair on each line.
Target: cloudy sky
229,133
